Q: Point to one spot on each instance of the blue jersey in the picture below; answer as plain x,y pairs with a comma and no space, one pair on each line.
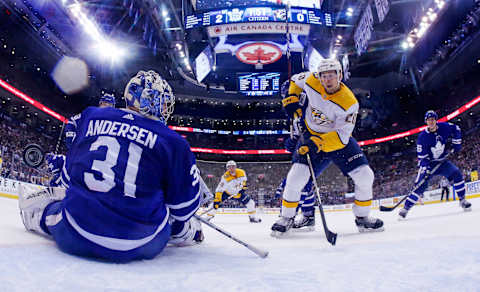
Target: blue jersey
431,145
56,165
128,175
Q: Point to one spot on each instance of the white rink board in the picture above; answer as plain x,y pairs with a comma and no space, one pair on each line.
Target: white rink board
436,249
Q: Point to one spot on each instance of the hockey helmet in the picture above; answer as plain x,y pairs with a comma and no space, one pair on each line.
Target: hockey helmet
151,95
431,114
231,163
107,98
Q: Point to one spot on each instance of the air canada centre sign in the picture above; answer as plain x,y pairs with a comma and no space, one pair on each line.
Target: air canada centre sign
259,27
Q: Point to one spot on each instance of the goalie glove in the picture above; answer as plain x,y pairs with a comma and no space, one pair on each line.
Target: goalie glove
186,233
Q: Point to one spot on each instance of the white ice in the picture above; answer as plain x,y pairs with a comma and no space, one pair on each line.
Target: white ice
436,249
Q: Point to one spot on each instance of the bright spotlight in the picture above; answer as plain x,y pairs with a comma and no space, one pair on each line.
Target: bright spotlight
111,51
404,45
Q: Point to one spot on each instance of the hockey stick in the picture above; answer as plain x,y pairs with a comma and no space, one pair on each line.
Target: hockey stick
331,236
261,253
221,203
416,187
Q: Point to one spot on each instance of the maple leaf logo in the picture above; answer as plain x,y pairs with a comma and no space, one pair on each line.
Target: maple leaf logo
259,54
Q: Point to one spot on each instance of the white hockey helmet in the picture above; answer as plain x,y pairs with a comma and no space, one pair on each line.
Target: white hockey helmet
231,163
331,64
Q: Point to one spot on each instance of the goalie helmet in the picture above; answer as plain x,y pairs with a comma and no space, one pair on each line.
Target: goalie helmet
231,163
431,114
151,95
107,98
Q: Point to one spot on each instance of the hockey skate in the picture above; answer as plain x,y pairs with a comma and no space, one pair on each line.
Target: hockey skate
369,224
32,203
254,219
304,224
282,227
402,215
466,205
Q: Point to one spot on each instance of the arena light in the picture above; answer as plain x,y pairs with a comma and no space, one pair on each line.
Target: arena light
426,21
31,101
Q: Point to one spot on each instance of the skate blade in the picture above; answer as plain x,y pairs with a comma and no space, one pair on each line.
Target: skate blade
370,230
278,234
467,209
304,229
400,218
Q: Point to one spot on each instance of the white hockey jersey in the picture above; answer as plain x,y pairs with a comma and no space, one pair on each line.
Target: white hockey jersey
232,184
330,116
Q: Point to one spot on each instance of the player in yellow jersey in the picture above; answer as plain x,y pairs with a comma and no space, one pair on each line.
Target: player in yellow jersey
327,120
234,181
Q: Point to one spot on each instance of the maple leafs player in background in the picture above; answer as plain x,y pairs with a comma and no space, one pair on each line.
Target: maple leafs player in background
234,181
431,152
327,123
134,184
107,100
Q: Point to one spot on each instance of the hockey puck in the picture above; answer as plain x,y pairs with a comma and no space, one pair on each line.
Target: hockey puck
33,155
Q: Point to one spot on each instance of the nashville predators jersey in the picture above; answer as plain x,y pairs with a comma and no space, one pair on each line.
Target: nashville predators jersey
232,184
330,116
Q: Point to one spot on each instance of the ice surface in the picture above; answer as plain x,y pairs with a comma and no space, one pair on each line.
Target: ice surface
436,249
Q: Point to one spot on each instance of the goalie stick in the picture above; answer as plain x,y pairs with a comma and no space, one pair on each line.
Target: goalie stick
261,253
416,187
205,190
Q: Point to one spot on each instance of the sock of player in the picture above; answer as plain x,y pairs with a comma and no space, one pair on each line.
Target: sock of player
308,205
250,207
411,200
459,189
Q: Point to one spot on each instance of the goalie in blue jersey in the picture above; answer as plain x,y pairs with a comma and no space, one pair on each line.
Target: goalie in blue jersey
133,182
432,156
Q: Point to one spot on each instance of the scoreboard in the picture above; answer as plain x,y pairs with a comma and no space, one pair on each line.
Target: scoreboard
259,84
259,14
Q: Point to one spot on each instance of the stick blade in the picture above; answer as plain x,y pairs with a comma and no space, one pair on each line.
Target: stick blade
332,237
386,209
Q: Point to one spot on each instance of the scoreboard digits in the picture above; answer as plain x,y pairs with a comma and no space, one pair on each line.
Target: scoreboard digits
259,14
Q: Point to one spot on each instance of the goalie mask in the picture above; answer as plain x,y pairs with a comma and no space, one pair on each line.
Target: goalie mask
151,95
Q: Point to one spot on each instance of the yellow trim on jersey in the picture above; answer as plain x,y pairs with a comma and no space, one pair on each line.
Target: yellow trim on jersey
330,141
238,173
363,203
344,97
218,197
289,100
289,204
294,89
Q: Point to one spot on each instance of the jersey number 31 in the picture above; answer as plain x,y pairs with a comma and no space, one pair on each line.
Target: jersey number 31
105,167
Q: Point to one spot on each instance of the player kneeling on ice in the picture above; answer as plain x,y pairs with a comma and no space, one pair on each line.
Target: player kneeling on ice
327,119
432,156
233,184
133,182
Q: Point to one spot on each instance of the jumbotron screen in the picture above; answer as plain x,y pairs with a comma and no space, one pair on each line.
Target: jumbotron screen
216,4
258,84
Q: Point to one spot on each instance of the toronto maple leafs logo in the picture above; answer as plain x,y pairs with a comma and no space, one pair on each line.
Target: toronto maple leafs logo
438,149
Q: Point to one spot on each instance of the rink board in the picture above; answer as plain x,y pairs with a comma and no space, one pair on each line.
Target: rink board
9,189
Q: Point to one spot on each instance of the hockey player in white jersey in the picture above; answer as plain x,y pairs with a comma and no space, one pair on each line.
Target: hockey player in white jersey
234,182
327,119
